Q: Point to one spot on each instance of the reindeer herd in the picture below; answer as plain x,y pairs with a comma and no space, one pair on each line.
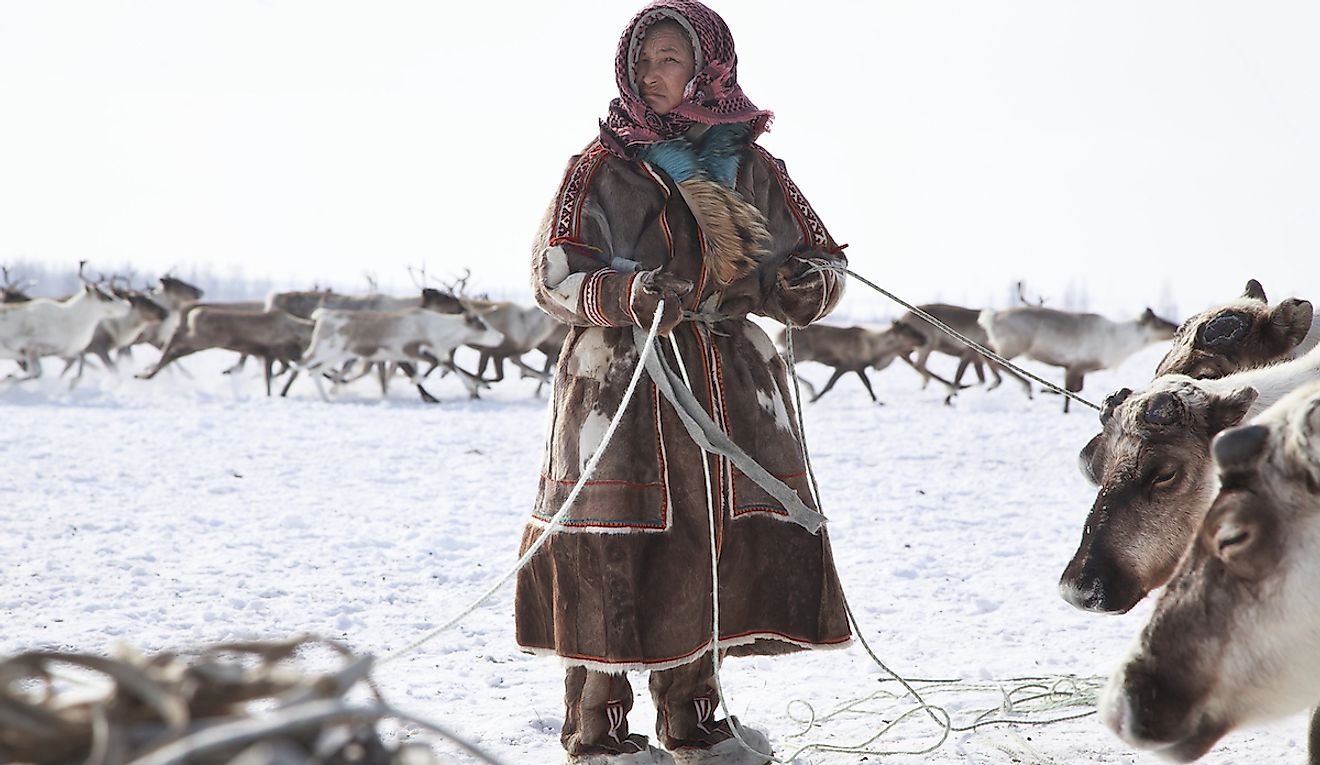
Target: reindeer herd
1078,342
323,333
1208,478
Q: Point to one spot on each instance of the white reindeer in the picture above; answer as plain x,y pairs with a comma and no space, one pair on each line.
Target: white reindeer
1078,342
1235,638
403,337
43,327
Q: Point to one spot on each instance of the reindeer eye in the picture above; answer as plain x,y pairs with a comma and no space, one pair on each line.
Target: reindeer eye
1233,540
1165,478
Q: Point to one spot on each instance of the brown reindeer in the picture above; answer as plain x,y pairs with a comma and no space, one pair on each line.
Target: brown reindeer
1152,466
964,321
1078,342
271,335
852,349
1241,334
1235,638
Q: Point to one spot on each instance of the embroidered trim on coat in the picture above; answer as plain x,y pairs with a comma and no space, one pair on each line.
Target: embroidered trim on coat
814,234
568,209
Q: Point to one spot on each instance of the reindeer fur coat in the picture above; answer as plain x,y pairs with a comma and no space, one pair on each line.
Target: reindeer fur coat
626,583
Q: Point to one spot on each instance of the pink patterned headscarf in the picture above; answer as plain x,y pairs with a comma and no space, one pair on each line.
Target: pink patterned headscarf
712,97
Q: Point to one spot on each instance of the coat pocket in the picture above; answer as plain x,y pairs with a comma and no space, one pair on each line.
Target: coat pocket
629,489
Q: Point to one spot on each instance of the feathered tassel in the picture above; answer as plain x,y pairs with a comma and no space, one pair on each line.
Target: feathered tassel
735,231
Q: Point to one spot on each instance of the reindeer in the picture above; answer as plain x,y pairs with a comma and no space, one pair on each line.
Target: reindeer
43,327
524,329
405,337
852,349
1078,342
114,335
1241,334
964,321
1235,638
1152,465
175,295
304,304
271,335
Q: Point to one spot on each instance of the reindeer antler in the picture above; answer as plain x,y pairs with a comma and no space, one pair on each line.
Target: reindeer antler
1022,296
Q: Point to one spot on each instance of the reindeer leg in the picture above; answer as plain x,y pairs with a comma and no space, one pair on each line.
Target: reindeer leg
238,367
107,361
1072,380
293,375
82,361
411,371
270,365
920,365
833,379
545,375
316,378
963,363
865,381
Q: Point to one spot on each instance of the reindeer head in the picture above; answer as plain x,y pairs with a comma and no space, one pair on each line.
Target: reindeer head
179,291
146,309
1235,637
1152,466
1156,327
898,339
10,290
1243,334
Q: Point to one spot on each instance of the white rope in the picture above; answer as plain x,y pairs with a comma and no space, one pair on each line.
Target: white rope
1066,691
557,520
970,343
714,574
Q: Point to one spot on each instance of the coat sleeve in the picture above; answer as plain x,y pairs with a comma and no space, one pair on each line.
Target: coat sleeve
797,295
574,277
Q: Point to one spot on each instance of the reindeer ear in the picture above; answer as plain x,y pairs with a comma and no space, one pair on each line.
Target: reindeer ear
1254,291
1227,411
1290,322
1092,459
1112,402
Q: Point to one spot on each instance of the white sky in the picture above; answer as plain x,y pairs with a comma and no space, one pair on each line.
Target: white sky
1135,152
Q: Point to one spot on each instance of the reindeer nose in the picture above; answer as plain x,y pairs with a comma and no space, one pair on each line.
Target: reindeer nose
1084,592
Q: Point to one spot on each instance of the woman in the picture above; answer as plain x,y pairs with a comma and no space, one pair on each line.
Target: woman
675,202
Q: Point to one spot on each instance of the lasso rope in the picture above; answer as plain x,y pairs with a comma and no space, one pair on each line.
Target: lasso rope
557,520
1043,694
970,343
1063,692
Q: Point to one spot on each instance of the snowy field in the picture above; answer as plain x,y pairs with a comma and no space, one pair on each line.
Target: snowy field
180,512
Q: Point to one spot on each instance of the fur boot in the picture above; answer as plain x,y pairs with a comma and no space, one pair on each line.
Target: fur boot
729,751
648,756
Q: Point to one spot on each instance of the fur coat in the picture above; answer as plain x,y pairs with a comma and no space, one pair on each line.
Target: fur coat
626,582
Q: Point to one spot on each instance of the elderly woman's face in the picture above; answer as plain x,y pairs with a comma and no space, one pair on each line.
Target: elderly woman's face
664,66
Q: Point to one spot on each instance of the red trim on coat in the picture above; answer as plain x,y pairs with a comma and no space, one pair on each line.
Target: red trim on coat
700,649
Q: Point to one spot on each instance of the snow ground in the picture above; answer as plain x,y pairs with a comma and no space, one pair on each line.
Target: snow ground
181,512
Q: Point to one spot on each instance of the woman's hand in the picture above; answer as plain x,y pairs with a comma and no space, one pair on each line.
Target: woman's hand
652,287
